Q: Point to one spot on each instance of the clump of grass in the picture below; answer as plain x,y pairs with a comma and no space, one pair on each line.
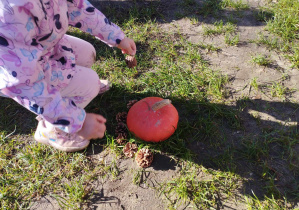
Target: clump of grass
294,57
285,25
232,40
285,21
237,5
264,14
194,20
211,7
30,170
270,41
253,202
219,28
209,47
254,84
278,90
200,192
261,60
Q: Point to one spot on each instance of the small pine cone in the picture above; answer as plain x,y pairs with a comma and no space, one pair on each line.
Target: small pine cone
121,117
144,158
122,138
121,128
131,61
121,141
131,103
130,149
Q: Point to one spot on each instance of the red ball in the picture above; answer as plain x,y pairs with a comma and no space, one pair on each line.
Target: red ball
153,119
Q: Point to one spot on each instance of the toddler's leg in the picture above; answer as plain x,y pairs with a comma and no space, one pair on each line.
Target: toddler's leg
84,51
84,86
85,56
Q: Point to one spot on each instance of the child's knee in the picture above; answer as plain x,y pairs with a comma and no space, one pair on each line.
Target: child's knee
89,58
94,82
93,52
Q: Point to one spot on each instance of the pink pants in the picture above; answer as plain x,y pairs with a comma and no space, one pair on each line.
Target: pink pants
85,84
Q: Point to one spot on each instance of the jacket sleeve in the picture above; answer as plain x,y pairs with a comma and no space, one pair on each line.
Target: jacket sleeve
87,18
22,77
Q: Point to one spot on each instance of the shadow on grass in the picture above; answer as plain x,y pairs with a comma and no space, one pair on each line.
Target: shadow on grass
164,11
215,136
221,137
226,138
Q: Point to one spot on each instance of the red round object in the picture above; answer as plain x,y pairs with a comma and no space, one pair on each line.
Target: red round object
153,119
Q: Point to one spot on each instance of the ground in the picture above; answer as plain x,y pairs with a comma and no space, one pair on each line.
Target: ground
261,111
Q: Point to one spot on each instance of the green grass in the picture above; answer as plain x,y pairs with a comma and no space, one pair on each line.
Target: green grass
219,28
189,186
283,22
261,60
232,40
214,7
278,90
209,47
30,170
216,160
237,5
254,84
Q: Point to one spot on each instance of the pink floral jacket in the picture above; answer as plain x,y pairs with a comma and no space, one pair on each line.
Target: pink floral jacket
29,32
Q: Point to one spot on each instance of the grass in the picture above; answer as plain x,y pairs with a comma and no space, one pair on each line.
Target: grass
254,84
232,40
278,90
219,28
283,22
259,170
261,60
237,5
209,47
214,7
189,186
30,170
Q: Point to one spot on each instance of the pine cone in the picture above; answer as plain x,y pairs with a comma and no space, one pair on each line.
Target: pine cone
144,158
121,128
121,117
131,61
130,149
121,139
131,103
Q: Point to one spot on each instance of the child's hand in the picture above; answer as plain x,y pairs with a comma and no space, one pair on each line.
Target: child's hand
127,46
93,127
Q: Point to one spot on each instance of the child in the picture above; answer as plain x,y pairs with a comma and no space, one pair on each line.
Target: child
49,72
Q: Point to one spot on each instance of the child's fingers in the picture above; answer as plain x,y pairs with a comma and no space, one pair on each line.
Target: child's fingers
101,119
101,132
133,48
129,51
